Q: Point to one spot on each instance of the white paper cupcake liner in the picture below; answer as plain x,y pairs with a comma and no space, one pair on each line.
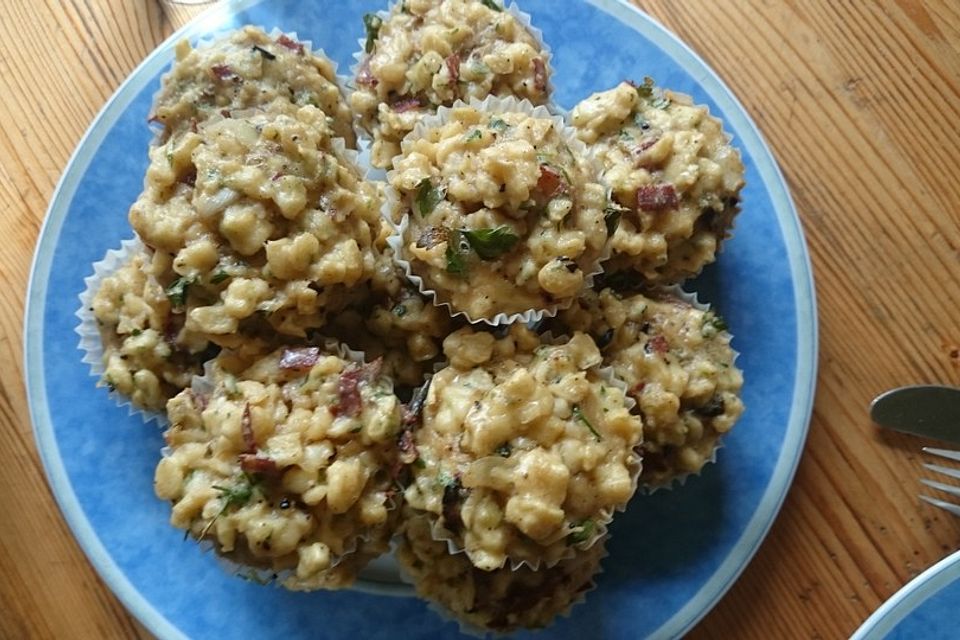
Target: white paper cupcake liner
91,344
212,39
204,385
680,479
360,55
474,631
491,104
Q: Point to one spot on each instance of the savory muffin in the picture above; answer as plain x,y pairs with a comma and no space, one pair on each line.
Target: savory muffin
267,218
674,177
431,53
678,364
502,213
248,69
524,449
285,465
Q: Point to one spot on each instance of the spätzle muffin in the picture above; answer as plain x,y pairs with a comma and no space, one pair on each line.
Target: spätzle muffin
524,449
267,218
501,600
678,364
147,355
287,464
502,214
674,176
248,69
431,53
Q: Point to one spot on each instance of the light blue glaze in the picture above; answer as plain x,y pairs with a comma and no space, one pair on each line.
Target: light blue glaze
926,607
673,554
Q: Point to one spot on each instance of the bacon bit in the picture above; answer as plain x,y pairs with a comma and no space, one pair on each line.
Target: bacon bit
252,463
299,359
198,399
539,74
222,71
657,197
277,176
453,67
348,390
290,43
408,450
659,344
225,113
246,429
406,105
190,177
372,370
637,389
550,181
365,76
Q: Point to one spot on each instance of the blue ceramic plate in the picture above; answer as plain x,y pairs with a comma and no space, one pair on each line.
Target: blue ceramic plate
673,554
926,607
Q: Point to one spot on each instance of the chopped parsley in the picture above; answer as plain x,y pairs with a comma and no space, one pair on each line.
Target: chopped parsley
177,291
498,124
490,243
454,255
578,414
712,324
428,197
476,134
219,276
645,90
446,480
372,23
582,531
492,5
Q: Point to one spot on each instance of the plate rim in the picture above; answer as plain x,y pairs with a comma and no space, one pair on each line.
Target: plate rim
909,597
768,507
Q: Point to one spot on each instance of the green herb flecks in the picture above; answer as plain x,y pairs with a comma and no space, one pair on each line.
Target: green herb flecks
611,217
445,480
582,531
712,324
476,134
645,90
498,124
219,276
490,244
456,264
660,102
234,496
428,197
177,291
372,23
582,419
492,5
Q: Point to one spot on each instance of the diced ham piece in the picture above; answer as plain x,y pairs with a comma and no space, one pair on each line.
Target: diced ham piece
657,197
252,463
550,181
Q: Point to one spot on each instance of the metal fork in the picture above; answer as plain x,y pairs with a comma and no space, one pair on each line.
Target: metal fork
953,490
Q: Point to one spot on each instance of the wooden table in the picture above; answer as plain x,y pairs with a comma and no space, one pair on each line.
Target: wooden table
860,102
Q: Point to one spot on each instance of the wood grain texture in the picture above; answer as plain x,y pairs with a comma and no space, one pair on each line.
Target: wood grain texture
859,102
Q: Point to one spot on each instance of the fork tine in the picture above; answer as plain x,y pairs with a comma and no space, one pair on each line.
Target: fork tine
947,471
949,506
940,486
943,453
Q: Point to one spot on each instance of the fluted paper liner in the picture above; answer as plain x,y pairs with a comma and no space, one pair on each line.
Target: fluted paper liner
91,344
491,104
521,16
204,385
